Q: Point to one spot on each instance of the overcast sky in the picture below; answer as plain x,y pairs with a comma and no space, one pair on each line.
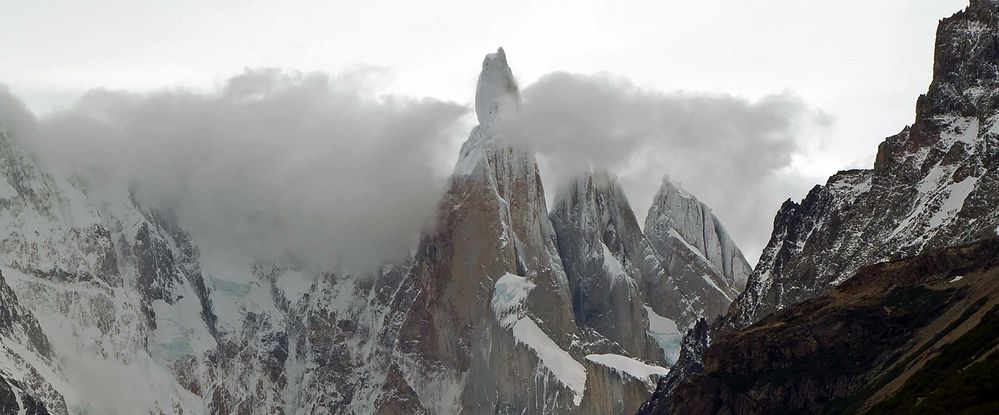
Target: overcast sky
843,74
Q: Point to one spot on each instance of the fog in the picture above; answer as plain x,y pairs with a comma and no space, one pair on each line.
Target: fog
732,153
272,165
278,165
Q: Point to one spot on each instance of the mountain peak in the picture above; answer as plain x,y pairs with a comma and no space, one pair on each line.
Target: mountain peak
675,213
669,186
987,5
496,88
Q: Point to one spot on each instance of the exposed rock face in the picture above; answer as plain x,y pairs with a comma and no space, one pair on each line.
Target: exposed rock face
456,353
609,264
690,364
22,342
934,184
704,265
620,282
909,336
676,214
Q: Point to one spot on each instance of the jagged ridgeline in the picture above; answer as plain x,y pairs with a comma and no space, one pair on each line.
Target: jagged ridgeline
109,307
933,185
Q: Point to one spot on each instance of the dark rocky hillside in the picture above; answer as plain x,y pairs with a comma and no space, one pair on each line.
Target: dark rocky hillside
917,335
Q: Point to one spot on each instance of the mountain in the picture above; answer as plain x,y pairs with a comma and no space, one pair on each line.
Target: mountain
503,307
609,264
933,185
917,335
709,270
490,326
676,216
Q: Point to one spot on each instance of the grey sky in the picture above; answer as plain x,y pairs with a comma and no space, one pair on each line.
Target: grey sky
862,63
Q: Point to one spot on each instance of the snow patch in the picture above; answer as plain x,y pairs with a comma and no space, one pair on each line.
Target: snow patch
624,364
566,369
666,334
510,292
294,284
611,264
180,330
953,194
956,194
957,278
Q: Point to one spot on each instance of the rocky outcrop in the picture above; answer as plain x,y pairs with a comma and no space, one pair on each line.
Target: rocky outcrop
690,364
675,214
622,282
24,351
934,184
705,266
455,352
908,336
15,401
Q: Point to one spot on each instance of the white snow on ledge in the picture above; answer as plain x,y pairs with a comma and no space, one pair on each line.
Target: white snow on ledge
509,294
624,364
507,303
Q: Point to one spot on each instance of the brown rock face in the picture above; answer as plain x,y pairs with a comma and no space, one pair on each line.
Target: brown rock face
493,221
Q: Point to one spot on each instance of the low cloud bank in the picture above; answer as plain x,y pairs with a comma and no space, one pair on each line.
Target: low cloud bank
276,165
271,165
734,154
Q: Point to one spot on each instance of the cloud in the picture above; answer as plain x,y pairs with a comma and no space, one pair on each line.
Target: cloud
269,165
733,153
275,164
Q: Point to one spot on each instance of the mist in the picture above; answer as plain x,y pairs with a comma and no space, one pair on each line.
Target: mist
271,165
275,165
733,153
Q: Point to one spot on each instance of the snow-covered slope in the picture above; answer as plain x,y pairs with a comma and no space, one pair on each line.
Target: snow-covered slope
105,281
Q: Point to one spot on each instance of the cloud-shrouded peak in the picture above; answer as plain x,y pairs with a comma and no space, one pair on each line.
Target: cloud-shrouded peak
321,166
270,165
588,180
497,90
